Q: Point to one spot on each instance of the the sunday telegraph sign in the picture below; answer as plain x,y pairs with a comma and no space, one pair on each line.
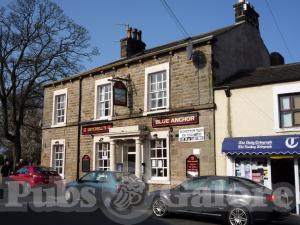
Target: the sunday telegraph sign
175,120
96,128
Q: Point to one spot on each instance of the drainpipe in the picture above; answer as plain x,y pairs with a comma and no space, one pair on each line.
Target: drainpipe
228,95
79,128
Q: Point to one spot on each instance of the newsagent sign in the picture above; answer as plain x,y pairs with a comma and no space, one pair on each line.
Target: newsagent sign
191,135
192,166
175,120
96,128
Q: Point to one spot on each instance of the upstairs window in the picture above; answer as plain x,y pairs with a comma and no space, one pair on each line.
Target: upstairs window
59,107
103,105
157,89
289,110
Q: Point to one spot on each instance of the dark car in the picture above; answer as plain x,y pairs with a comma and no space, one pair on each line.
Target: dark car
107,186
34,176
236,200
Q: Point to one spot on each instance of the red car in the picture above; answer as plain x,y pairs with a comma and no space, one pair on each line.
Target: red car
35,176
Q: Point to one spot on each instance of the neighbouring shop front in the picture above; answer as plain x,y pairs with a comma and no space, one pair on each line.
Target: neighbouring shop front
269,160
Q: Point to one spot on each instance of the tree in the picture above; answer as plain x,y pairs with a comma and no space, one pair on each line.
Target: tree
38,44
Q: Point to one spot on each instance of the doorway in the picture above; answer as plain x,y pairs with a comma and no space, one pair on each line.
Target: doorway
283,175
283,170
131,158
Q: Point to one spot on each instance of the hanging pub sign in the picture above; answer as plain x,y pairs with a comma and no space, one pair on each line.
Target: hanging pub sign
86,163
175,120
192,166
96,128
120,93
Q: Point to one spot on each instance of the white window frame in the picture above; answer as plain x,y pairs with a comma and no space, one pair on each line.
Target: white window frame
96,140
98,83
56,93
148,71
281,90
154,136
60,142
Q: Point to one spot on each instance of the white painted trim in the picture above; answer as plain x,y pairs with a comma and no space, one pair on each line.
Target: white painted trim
297,188
269,173
102,82
230,166
279,90
96,140
55,93
60,142
166,135
153,69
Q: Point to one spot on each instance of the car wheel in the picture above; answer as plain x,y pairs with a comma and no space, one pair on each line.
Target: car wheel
71,195
238,216
159,208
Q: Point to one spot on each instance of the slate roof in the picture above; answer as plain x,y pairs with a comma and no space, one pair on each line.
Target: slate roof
263,76
152,51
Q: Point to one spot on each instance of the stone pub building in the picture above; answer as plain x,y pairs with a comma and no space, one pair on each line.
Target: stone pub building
152,111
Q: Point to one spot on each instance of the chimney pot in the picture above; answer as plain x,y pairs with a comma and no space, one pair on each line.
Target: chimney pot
139,35
129,32
134,34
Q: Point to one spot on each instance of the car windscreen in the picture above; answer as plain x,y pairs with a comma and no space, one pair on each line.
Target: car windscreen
45,170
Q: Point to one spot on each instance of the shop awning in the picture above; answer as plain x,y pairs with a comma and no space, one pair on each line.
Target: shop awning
262,145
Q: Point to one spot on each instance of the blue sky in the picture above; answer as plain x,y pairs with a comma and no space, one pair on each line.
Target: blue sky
197,16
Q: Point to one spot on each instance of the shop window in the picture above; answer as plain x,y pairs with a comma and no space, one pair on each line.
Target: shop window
157,88
103,163
289,108
59,107
58,156
159,158
255,169
103,99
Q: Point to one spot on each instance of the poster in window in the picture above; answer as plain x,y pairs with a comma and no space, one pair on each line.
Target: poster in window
85,163
120,94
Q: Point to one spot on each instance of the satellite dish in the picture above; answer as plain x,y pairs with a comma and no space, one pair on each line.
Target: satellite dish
189,51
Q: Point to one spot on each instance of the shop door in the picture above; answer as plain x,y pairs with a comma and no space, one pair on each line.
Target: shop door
283,170
131,159
283,176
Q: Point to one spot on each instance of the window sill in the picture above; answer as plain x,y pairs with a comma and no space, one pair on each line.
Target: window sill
58,125
107,118
153,181
155,112
283,130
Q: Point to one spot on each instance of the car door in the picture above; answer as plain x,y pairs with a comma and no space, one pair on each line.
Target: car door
198,189
215,196
183,195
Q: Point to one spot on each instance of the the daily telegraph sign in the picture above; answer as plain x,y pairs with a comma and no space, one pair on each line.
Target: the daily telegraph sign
175,120
281,144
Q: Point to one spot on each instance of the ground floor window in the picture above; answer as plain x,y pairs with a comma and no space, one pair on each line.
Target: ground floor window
102,150
159,158
255,169
58,149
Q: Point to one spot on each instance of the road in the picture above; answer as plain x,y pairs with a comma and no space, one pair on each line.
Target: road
97,217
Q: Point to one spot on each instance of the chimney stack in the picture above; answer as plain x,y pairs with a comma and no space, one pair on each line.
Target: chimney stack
244,12
132,44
